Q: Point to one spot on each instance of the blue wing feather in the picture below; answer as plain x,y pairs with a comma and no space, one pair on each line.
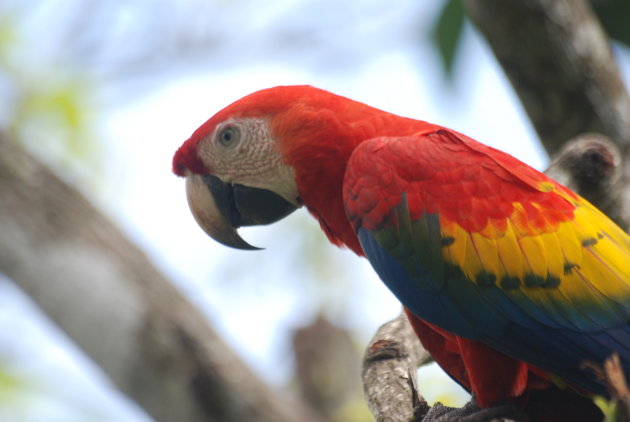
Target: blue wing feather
557,350
527,283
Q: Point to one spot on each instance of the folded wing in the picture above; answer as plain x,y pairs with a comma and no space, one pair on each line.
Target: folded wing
481,245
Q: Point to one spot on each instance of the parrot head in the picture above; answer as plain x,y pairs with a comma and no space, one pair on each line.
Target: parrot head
235,175
267,154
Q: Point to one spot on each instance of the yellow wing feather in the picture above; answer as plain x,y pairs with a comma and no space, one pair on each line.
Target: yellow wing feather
572,270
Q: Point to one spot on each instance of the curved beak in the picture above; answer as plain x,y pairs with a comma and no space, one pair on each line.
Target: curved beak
220,208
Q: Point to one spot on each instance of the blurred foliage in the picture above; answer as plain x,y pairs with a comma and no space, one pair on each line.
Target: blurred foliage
608,407
615,17
436,387
354,410
52,119
46,107
10,387
446,34
49,114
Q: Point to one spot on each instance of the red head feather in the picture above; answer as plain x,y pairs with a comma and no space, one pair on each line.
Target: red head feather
316,132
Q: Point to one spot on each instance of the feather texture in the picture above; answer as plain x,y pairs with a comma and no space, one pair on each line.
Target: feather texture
481,246
510,280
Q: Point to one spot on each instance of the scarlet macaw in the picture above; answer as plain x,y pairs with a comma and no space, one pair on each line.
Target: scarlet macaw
510,280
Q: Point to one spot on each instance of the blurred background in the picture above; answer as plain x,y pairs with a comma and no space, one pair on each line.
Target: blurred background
105,91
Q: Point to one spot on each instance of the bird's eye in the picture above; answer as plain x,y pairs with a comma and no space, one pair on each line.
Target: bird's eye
229,136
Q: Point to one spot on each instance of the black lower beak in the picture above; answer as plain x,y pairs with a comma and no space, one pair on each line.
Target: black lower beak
220,208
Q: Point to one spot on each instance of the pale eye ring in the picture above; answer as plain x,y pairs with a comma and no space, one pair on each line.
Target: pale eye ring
229,136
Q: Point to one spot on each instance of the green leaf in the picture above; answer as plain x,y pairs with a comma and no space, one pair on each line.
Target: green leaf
447,31
614,15
10,386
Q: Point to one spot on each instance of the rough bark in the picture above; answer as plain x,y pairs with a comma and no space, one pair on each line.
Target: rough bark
389,372
592,165
108,297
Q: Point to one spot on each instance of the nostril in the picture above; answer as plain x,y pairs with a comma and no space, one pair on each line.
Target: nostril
179,164
179,168
186,159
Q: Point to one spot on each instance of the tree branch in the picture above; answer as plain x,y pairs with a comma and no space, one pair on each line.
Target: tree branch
109,298
592,165
558,59
390,365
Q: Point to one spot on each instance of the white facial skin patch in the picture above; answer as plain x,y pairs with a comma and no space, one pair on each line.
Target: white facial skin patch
242,151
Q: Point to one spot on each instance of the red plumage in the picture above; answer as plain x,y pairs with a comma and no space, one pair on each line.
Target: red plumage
437,172
442,176
328,119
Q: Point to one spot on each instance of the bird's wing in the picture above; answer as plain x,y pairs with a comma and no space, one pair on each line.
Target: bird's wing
480,244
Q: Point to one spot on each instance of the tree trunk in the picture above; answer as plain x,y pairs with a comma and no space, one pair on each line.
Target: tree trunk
109,298
559,61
